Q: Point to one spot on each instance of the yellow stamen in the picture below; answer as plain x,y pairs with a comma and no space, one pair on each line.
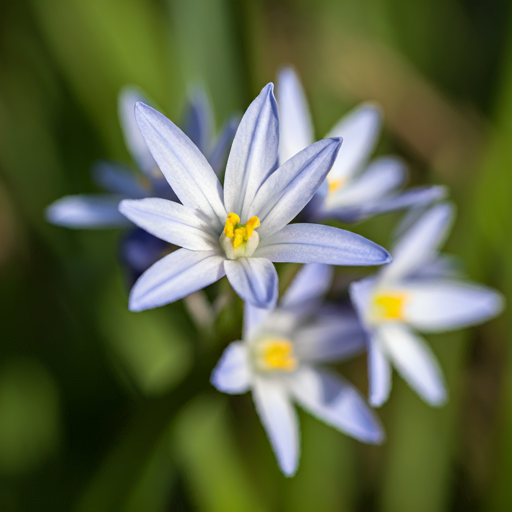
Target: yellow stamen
335,184
277,354
232,220
389,306
240,232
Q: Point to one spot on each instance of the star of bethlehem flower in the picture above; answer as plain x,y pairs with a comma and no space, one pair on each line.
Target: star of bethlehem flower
417,291
353,190
139,249
241,230
279,361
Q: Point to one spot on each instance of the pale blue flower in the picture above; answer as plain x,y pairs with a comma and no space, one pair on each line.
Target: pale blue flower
241,230
418,291
279,362
354,189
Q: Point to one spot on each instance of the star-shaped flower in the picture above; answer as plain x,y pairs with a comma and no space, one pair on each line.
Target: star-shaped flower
417,291
278,361
354,190
241,230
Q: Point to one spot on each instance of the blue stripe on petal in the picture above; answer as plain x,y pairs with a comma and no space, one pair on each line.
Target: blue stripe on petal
175,276
254,280
314,243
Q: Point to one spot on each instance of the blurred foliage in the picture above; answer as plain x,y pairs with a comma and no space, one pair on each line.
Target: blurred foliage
104,410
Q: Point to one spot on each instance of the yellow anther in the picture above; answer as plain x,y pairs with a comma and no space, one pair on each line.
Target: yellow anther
277,354
240,232
251,225
232,220
389,306
335,184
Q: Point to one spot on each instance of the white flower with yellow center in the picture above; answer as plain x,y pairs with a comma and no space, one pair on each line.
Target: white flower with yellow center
241,230
278,361
417,291
354,189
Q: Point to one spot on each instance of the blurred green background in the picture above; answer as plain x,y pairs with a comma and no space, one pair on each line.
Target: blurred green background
105,410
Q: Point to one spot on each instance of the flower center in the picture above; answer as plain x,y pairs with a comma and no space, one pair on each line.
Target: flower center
239,240
389,306
276,354
335,184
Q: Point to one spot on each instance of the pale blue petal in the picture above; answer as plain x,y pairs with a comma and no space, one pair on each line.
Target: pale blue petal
86,211
295,126
175,276
171,222
314,243
334,401
359,129
415,362
445,305
254,280
381,177
308,288
219,153
199,120
444,265
253,319
233,372
134,140
379,372
279,421
360,295
253,154
420,243
415,197
118,180
330,338
183,165
289,189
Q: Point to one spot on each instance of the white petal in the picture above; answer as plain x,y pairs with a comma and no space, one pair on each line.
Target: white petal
175,276
379,371
86,211
359,130
233,372
289,189
295,126
314,243
253,154
444,305
415,362
254,280
382,176
253,319
420,243
171,222
330,338
280,422
337,403
134,140
118,180
182,164
310,285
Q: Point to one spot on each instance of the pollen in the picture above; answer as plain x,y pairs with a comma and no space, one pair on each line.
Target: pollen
389,306
334,185
277,354
240,233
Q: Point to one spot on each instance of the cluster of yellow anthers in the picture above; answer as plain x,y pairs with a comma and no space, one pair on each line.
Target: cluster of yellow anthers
240,233
277,354
389,306
335,184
